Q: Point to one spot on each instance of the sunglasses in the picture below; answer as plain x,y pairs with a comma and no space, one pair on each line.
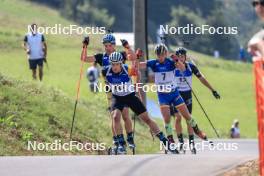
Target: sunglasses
256,3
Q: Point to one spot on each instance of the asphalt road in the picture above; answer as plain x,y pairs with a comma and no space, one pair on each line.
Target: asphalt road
206,162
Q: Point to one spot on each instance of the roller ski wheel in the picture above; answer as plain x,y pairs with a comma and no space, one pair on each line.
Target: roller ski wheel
112,150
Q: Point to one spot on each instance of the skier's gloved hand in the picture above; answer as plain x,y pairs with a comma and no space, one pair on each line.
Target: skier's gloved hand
124,43
86,41
174,58
139,53
215,94
180,65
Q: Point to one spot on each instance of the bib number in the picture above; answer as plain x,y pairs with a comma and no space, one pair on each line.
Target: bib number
164,76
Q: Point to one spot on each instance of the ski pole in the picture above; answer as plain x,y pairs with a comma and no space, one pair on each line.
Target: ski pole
83,56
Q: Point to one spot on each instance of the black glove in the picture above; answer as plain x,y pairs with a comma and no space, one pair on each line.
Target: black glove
86,41
139,53
216,95
124,42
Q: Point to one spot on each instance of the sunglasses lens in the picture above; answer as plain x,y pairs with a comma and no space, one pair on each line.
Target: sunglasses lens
255,3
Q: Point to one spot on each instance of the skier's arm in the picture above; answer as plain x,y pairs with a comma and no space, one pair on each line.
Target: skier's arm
204,81
85,45
200,76
89,59
131,55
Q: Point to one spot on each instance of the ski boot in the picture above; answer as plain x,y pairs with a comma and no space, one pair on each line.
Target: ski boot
172,142
170,139
201,134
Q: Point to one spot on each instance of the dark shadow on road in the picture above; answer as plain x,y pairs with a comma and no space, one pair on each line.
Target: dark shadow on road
140,164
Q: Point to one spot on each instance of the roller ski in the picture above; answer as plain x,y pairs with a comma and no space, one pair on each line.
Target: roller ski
117,150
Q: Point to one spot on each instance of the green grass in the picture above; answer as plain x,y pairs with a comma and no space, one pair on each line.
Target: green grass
34,112
27,107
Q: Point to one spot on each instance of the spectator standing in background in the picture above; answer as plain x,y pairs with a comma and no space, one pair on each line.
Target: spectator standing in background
235,131
92,75
36,49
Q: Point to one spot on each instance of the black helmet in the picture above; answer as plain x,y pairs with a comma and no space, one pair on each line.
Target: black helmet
181,51
160,49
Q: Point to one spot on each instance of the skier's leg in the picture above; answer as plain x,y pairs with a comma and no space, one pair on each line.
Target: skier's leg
128,127
138,107
178,128
165,111
182,108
